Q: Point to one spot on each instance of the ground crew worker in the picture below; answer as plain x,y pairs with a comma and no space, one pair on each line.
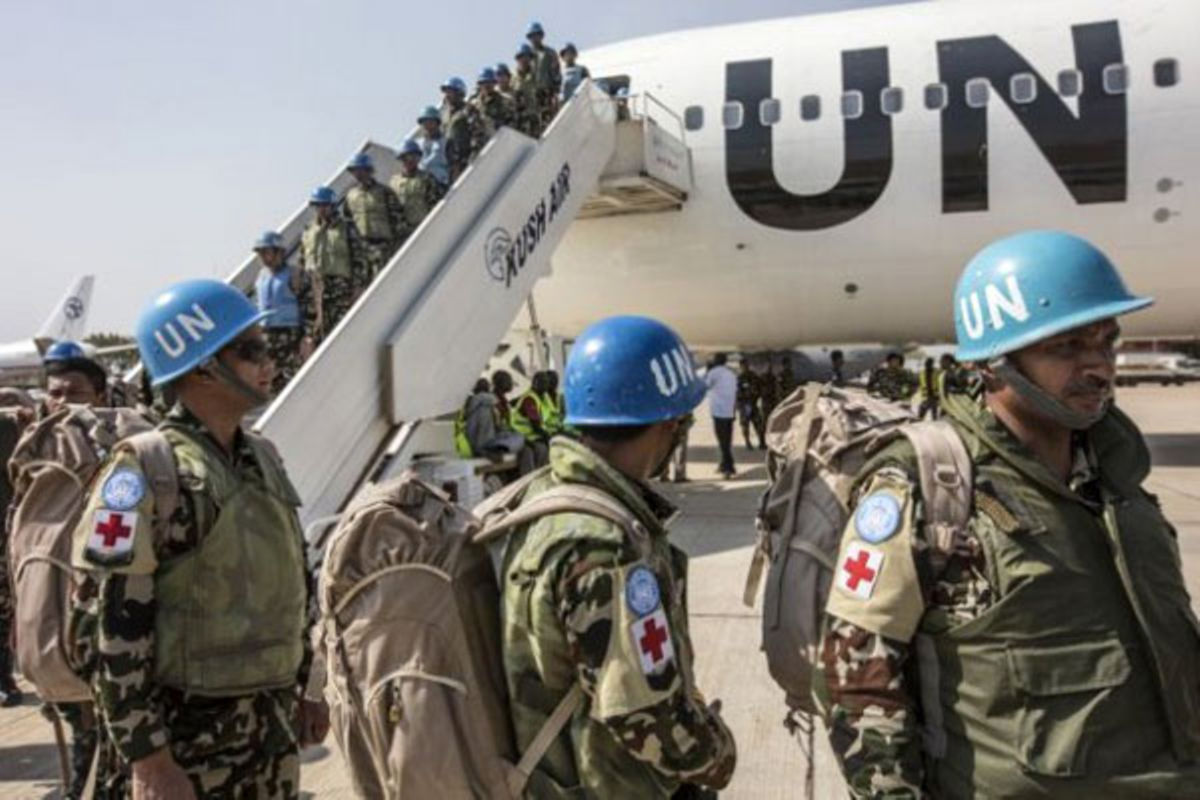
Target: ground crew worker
433,146
201,630
513,441
466,129
497,109
528,419
837,368
572,74
547,73
526,102
892,381
749,392
285,292
954,379
770,390
417,190
585,606
929,383
331,255
552,404
375,211
1049,648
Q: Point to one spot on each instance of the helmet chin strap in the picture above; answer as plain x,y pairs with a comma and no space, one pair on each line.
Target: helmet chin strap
1040,399
231,379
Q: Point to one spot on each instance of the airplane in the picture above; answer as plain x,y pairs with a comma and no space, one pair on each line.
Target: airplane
847,165
21,361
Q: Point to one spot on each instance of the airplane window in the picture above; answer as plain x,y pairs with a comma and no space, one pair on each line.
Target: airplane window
810,107
936,96
1022,87
693,118
1070,83
731,115
978,92
852,105
769,111
1116,78
891,100
1166,72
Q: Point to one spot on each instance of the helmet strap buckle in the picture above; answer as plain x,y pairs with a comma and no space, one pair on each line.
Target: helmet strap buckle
1041,400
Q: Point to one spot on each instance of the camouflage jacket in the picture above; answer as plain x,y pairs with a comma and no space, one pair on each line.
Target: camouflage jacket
467,131
583,604
547,70
497,108
114,619
418,194
526,105
892,384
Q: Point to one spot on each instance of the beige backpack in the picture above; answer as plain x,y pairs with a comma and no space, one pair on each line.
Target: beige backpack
52,470
819,438
410,637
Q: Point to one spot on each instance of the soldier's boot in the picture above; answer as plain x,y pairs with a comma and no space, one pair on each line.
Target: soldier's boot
10,694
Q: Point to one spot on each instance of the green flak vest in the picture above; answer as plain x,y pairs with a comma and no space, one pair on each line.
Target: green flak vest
327,249
412,191
1083,679
368,208
231,613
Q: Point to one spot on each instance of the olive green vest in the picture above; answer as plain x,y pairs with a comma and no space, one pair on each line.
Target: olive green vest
1083,679
368,208
231,613
327,249
412,191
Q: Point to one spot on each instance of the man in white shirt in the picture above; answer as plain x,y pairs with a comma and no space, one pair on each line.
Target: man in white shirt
722,403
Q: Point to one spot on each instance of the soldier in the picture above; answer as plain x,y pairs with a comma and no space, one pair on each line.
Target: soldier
892,381
375,211
14,416
837,368
497,109
749,392
285,292
588,608
433,146
199,629
504,82
331,256
466,129
547,73
417,190
929,382
1047,648
526,102
573,74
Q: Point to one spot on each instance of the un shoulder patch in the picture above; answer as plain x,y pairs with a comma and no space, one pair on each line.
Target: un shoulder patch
877,518
641,591
123,490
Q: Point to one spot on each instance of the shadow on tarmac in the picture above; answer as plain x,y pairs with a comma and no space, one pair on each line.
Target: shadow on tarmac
29,762
1174,449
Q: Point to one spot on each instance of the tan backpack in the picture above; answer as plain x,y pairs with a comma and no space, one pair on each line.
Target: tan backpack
52,470
819,438
410,637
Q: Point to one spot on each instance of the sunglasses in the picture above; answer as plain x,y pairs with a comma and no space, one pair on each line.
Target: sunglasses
251,350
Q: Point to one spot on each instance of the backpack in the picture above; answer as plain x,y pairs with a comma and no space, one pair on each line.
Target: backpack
411,641
52,469
819,438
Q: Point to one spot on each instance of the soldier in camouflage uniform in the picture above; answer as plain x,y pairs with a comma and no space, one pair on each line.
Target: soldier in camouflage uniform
467,131
892,381
526,104
417,190
195,632
497,109
504,83
286,292
1048,649
589,606
332,256
547,73
375,211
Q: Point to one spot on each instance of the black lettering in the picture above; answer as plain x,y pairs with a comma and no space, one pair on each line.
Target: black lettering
510,266
749,157
1089,152
540,216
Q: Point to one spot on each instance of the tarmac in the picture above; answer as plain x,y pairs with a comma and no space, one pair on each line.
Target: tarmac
716,530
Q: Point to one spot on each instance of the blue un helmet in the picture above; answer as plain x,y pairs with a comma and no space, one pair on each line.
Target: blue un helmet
411,148
65,350
502,69
455,85
268,240
486,75
569,47
535,29
429,112
630,371
322,196
524,51
361,161
188,323
1031,286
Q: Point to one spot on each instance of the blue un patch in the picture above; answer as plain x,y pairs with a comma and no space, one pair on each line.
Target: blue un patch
123,490
641,591
877,518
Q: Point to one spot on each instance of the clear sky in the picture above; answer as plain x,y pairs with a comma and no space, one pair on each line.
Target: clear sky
148,141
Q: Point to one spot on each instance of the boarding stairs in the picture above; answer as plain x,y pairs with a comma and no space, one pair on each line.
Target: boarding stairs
362,407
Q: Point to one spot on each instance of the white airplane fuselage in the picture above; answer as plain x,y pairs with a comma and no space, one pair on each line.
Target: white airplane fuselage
856,229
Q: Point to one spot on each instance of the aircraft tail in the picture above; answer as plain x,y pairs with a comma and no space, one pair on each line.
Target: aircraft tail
69,318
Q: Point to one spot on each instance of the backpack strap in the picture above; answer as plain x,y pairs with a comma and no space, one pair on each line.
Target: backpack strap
566,498
154,453
947,485
566,708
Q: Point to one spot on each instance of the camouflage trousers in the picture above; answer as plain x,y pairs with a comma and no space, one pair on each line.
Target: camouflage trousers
79,720
283,345
242,747
337,295
377,254
547,108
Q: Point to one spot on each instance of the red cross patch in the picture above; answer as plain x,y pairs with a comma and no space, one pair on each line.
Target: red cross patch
112,534
652,642
859,570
